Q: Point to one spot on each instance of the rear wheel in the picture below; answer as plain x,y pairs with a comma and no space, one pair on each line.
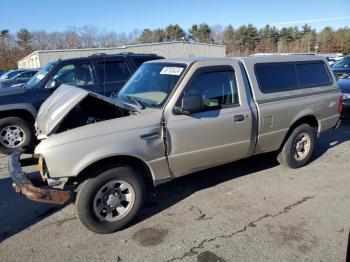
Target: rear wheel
110,200
298,149
15,134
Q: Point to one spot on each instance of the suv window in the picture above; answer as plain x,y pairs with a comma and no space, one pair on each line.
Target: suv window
219,88
77,75
113,71
279,77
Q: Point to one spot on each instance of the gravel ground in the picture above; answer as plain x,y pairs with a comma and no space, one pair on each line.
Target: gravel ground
251,210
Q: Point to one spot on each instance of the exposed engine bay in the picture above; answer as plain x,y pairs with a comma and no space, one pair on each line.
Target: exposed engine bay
91,110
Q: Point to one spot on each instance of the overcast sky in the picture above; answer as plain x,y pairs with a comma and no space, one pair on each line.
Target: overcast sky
124,16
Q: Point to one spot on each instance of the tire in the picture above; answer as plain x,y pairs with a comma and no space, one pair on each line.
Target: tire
294,154
92,199
22,137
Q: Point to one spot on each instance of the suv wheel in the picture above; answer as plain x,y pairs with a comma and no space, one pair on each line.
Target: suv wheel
110,200
15,134
298,149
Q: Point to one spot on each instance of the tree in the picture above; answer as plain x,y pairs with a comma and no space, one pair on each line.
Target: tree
174,32
39,40
305,29
228,39
88,35
107,39
146,36
247,38
327,40
217,33
72,39
201,33
158,35
24,38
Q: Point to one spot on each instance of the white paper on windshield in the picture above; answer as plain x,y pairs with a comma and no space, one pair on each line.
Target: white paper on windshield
171,70
40,76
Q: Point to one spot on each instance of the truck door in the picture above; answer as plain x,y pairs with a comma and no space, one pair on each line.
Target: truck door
218,134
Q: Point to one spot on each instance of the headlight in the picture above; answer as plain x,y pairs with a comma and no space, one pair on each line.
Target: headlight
346,95
42,168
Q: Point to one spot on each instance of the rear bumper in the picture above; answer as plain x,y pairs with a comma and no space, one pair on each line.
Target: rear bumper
345,113
23,185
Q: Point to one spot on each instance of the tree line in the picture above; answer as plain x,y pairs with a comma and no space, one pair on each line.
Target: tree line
244,40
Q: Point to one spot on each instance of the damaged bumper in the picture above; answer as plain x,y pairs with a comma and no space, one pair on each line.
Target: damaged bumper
23,185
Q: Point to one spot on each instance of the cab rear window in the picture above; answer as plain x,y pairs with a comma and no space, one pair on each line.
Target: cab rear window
279,77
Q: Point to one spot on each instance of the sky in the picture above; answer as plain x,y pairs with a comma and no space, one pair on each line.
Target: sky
124,16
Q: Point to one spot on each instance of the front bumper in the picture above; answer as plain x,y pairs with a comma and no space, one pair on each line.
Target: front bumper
23,185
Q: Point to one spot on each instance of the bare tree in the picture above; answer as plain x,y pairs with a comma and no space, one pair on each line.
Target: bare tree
88,35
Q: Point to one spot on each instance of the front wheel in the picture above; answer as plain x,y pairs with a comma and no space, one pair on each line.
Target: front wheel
110,200
299,147
15,134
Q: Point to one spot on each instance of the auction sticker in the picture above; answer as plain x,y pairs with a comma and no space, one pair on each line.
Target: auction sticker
40,76
171,70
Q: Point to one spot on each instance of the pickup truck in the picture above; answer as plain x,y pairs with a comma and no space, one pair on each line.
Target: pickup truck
172,118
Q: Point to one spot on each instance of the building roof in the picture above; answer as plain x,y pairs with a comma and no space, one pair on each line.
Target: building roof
104,49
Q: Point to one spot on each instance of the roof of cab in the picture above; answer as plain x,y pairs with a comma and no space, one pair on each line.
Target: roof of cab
248,59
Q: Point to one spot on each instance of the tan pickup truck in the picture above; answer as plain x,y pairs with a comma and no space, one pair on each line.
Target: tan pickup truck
172,118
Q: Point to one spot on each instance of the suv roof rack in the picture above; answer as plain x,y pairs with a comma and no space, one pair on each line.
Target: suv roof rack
98,54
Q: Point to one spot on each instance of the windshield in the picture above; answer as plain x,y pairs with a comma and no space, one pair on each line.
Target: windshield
345,62
36,79
11,74
152,83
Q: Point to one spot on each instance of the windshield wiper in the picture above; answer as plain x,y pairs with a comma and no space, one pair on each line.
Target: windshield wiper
137,102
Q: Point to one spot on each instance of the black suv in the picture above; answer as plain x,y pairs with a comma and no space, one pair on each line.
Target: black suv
101,73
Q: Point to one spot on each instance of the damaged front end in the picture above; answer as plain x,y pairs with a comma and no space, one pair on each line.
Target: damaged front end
22,184
67,108
71,107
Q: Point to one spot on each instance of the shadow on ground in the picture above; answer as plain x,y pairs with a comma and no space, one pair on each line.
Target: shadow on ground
18,213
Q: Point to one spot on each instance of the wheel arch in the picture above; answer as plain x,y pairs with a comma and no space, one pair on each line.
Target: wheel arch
119,160
27,112
306,119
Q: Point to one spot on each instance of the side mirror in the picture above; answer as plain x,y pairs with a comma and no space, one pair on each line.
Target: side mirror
191,104
52,84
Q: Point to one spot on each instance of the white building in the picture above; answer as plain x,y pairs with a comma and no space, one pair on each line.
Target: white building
166,49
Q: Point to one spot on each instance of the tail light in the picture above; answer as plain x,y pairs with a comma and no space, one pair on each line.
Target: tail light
340,104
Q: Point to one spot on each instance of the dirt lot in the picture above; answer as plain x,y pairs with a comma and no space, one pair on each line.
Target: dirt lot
251,210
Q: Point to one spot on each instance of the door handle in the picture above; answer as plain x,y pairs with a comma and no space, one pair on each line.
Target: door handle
239,118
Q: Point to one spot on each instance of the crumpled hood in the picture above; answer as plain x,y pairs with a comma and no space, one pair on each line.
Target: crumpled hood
61,102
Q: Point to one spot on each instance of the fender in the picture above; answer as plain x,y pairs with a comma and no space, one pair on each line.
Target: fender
22,106
306,113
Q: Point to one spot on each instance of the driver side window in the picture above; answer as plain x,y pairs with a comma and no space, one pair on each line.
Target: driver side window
76,75
218,88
